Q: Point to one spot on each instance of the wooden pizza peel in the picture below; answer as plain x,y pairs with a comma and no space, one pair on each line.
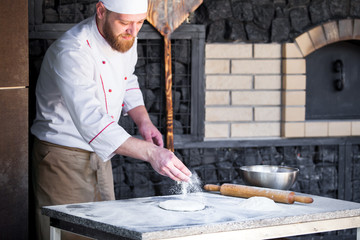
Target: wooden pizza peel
166,16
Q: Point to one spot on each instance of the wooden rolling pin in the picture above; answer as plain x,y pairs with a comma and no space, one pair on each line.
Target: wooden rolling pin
236,190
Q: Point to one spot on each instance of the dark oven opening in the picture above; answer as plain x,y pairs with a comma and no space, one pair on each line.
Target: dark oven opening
332,82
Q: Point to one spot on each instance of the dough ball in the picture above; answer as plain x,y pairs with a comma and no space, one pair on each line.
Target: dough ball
182,205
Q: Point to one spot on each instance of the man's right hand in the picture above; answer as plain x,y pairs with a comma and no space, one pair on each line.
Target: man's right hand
161,159
167,164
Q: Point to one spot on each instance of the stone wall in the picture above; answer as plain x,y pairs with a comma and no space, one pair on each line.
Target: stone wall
268,20
232,20
320,169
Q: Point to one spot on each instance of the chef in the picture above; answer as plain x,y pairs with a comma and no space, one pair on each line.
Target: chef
85,84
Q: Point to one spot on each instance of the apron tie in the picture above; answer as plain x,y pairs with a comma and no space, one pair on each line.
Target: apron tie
104,176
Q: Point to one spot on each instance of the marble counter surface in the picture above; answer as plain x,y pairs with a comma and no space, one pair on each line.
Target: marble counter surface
142,218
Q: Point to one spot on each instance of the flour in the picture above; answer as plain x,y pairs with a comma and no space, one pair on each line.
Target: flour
193,186
260,204
183,189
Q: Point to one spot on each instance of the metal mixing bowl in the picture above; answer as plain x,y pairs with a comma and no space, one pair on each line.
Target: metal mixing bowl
269,176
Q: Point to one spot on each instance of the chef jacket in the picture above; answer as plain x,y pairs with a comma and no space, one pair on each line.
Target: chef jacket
82,87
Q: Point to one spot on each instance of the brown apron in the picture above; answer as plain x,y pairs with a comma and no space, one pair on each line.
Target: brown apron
64,175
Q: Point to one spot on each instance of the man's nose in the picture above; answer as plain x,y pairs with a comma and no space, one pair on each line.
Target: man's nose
132,29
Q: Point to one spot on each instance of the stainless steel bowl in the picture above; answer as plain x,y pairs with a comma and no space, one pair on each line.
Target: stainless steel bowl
269,176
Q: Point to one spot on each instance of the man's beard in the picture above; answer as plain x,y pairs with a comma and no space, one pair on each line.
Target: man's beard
117,42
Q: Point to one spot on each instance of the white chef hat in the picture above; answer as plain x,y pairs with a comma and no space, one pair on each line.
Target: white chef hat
126,6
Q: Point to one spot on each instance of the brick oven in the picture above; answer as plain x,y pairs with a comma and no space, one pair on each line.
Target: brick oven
240,93
261,88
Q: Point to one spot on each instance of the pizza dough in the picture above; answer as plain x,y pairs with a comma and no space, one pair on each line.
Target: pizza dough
182,205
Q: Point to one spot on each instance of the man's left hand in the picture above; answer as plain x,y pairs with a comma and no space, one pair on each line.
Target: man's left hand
146,128
151,134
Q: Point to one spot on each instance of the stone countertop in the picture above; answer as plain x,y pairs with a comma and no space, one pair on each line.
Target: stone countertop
142,218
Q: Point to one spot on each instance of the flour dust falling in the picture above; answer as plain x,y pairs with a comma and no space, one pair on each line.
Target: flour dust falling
190,191
193,186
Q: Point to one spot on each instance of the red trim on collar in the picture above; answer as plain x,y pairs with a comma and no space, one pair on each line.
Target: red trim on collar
99,29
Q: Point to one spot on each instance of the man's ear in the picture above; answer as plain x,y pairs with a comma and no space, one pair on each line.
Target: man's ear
100,10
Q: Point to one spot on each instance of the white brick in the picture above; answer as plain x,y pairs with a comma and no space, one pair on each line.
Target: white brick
294,98
316,129
267,50
267,114
256,66
217,66
222,114
295,82
355,128
296,129
291,50
294,66
256,98
292,114
239,130
305,44
216,130
342,128
228,82
228,50
217,98
268,82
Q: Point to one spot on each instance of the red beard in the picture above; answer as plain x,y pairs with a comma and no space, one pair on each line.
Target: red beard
118,42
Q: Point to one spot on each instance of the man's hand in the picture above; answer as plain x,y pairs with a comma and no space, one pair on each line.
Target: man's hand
161,159
151,134
167,164
151,150
146,128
